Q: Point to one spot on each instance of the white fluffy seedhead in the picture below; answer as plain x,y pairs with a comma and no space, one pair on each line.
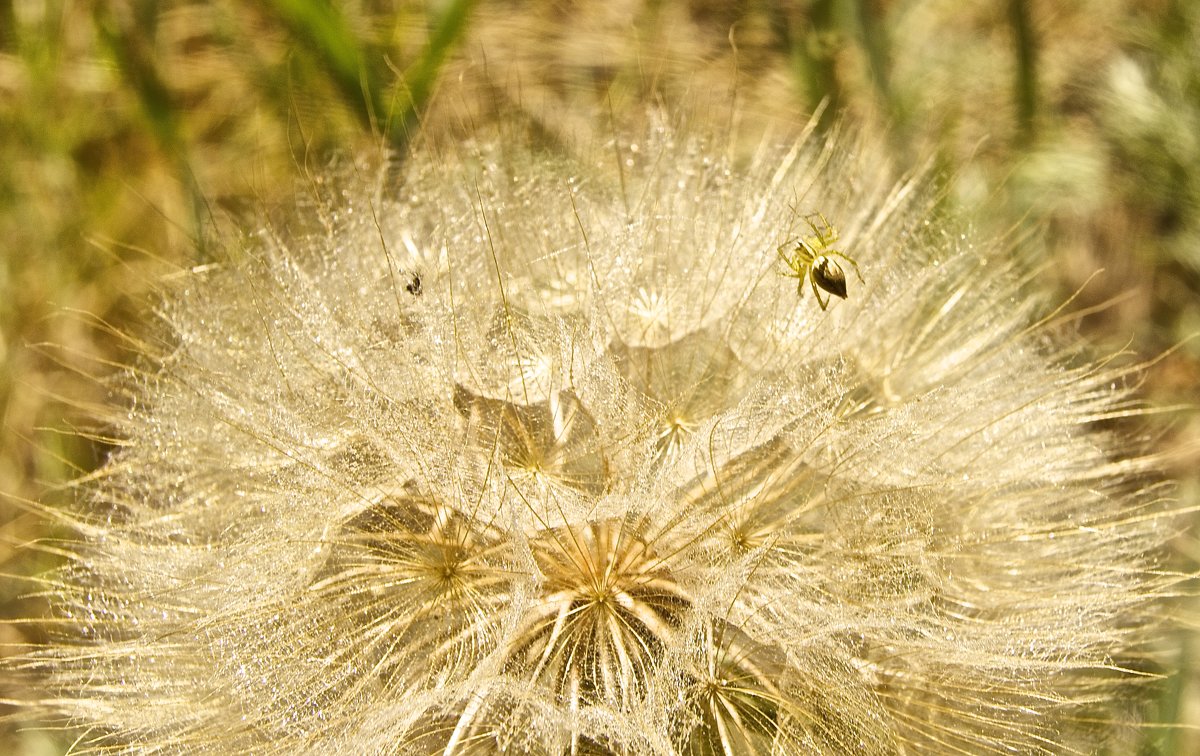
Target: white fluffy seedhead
525,456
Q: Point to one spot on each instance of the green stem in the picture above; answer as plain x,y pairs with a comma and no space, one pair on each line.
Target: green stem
1026,73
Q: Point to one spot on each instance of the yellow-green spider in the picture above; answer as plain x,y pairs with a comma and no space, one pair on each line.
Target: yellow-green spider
812,258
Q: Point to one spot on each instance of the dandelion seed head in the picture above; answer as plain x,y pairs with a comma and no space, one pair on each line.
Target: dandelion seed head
603,483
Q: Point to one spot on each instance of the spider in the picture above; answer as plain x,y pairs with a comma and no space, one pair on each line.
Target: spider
812,258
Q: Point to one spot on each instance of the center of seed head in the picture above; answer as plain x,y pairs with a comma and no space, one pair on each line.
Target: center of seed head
679,424
714,685
601,599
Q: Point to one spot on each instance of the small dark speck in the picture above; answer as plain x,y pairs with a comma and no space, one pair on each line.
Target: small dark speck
414,286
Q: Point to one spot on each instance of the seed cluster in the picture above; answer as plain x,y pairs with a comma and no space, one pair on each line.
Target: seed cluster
527,457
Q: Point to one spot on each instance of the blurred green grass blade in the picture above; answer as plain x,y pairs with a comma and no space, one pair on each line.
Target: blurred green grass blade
129,40
867,18
812,51
327,35
324,31
8,27
413,92
1164,740
832,25
131,51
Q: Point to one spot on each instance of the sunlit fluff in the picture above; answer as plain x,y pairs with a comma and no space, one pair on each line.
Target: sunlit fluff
531,456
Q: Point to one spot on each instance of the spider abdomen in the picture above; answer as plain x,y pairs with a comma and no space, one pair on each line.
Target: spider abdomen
829,276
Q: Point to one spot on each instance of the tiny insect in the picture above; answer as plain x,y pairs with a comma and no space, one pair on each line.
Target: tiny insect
812,258
414,285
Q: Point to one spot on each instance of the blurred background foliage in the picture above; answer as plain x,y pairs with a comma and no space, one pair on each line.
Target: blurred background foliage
129,127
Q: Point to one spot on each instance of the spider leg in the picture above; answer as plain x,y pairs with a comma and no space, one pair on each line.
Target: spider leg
817,292
827,236
835,253
791,271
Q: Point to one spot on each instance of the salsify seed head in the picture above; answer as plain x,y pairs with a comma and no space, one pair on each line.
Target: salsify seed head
519,454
